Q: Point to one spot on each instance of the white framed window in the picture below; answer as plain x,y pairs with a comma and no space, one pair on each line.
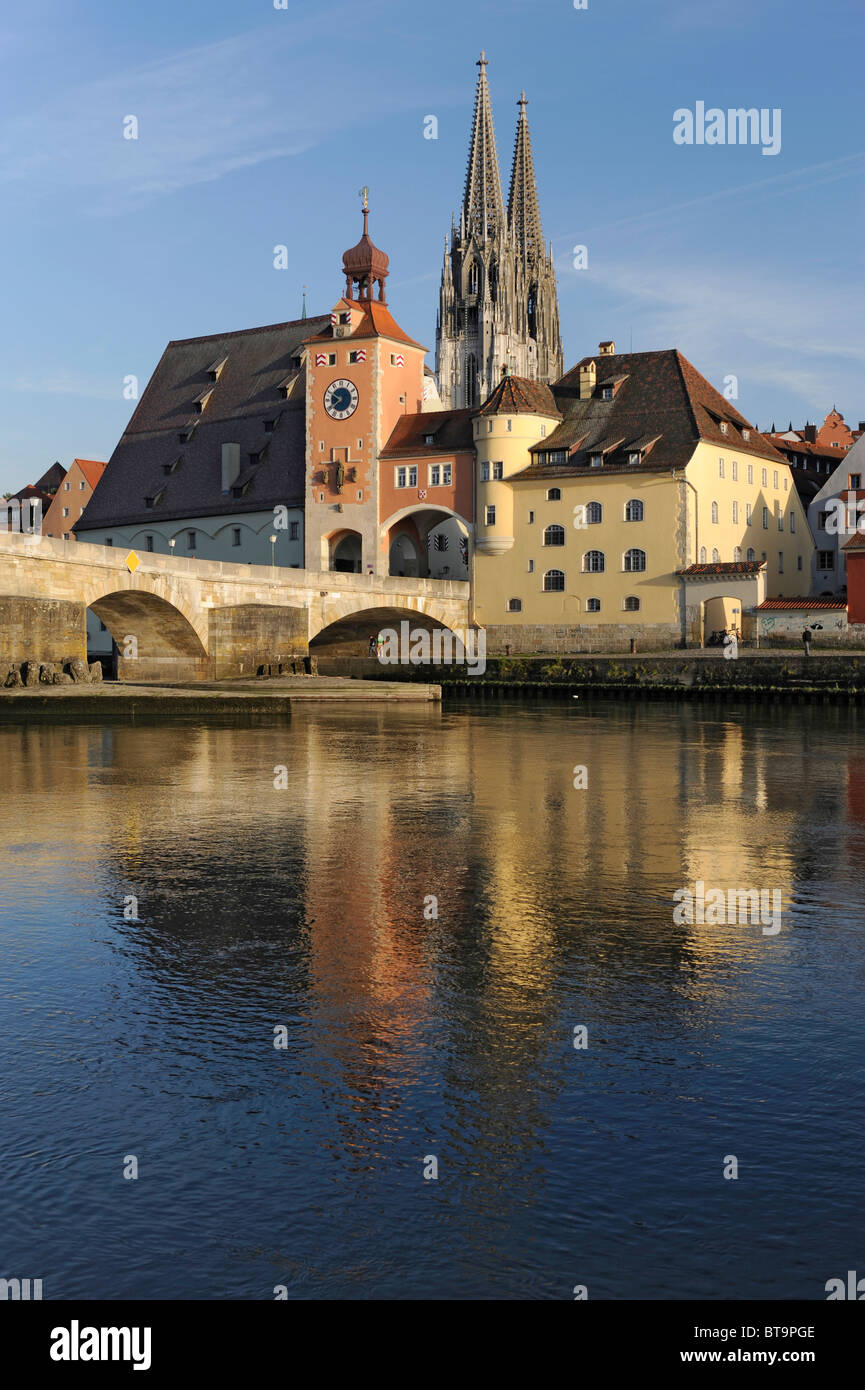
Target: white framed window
724,426
735,513
774,477
554,535
515,605
485,472
634,561
634,509
554,582
554,494
737,554
606,393
66,487
631,604
406,475
498,471
594,562
765,477
750,553
594,513
543,431
596,460
747,513
715,513
703,555
765,518
720,468
750,471
509,426
65,511
634,456
490,516
435,475
734,466
593,605
716,557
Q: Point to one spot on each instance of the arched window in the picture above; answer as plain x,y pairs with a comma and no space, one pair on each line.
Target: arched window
716,557
554,494
471,385
703,555
737,554
594,514
515,605
532,311
631,604
593,605
593,562
554,535
715,513
554,581
634,510
474,278
635,561
751,553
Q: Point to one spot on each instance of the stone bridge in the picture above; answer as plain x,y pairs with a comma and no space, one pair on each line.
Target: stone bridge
183,619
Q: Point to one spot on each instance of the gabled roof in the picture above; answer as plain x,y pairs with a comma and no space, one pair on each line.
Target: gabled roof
451,431
517,395
92,470
51,478
662,402
246,394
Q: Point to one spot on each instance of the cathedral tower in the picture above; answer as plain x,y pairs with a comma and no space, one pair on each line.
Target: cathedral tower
498,307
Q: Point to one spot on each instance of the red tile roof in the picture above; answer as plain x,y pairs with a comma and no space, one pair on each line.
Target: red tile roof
517,395
801,604
92,470
745,568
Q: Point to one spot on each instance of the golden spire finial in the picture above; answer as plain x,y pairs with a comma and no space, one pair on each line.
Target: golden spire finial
364,194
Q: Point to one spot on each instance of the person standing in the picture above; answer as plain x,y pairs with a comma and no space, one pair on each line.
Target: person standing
806,641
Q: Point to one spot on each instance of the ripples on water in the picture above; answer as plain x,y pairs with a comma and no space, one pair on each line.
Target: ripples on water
409,1036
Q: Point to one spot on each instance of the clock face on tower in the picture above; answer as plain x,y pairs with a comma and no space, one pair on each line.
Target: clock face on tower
340,399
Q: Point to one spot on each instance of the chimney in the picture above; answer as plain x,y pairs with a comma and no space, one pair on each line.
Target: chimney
607,349
230,465
810,433
587,380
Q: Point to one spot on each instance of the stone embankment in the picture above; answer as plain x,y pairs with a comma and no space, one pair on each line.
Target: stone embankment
30,674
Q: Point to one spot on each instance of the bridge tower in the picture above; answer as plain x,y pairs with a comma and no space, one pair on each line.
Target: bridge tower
362,375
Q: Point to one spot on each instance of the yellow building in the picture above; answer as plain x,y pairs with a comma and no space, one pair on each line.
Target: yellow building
630,500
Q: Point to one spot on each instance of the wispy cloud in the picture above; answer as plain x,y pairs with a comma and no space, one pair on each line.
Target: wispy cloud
202,114
64,383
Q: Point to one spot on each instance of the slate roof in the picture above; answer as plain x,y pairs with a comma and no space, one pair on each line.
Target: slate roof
247,392
517,395
662,405
452,431
51,479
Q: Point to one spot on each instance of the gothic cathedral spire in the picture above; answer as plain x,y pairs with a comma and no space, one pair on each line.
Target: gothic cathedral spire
498,305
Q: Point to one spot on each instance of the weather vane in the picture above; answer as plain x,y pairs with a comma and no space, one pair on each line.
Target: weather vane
364,193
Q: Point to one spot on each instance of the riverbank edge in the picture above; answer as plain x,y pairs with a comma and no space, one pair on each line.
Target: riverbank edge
267,696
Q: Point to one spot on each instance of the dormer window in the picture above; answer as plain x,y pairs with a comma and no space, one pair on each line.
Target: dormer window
213,371
151,502
557,456
269,426
596,460
429,439
634,456
201,401
183,437
345,316
172,467
606,393
724,427
746,434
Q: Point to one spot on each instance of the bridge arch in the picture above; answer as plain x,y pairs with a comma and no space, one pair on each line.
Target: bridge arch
156,635
349,633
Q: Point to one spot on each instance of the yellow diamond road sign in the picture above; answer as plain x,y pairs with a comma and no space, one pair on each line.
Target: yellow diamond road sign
132,562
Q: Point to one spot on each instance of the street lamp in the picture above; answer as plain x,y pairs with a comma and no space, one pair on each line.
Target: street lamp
273,552
172,542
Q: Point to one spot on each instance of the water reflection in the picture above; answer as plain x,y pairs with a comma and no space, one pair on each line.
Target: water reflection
442,1030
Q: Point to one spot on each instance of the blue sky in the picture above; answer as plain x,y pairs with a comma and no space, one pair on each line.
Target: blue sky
258,126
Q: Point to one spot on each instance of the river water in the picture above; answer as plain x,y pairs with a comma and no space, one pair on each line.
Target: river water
420,914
